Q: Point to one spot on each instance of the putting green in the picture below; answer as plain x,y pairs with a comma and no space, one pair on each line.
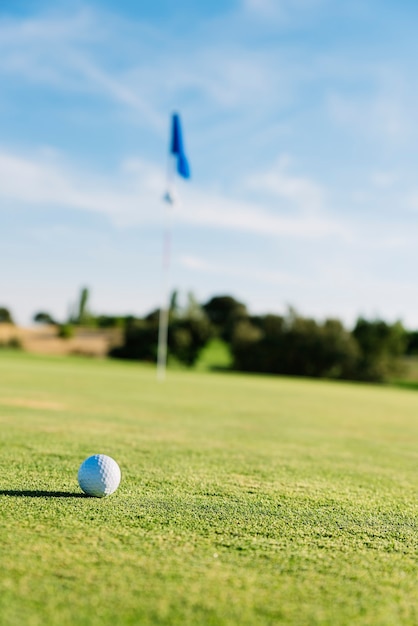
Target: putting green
244,499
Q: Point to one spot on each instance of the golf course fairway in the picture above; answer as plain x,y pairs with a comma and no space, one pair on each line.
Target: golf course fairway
244,500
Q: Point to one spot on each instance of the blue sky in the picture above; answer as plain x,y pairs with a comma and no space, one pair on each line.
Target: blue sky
300,123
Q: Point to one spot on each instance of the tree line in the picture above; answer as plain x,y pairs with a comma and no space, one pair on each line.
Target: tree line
288,344
276,344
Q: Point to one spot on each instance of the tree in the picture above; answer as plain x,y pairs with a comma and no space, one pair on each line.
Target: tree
43,318
381,346
295,346
109,321
83,314
140,340
174,307
224,312
187,336
5,316
193,309
412,343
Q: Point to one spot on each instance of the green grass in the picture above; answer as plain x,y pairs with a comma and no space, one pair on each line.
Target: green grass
216,355
244,500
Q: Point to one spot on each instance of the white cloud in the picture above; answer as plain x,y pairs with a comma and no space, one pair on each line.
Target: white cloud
274,277
71,53
118,90
384,179
134,195
262,7
279,9
59,52
300,191
35,181
381,113
227,213
41,31
412,201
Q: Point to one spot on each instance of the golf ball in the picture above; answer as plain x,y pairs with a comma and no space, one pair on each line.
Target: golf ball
99,475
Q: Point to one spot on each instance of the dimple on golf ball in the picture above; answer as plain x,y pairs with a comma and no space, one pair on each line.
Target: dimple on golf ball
99,475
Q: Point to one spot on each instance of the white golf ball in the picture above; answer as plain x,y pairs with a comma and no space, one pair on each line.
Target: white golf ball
99,475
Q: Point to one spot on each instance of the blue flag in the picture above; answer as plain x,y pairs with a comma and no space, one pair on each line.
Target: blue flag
177,147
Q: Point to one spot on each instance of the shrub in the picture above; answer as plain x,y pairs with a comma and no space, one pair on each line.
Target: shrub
140,341
66,331
14,343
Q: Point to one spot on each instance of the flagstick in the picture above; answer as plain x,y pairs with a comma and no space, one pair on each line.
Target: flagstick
165,305
177,161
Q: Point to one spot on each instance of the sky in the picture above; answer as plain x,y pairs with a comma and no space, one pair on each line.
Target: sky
300,126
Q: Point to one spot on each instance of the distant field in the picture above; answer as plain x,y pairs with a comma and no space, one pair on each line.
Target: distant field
43,339
245,500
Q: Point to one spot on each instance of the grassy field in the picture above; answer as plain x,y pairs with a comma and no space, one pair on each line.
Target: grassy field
244,500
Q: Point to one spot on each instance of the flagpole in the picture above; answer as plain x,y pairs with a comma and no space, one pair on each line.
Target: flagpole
177,163
165,306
